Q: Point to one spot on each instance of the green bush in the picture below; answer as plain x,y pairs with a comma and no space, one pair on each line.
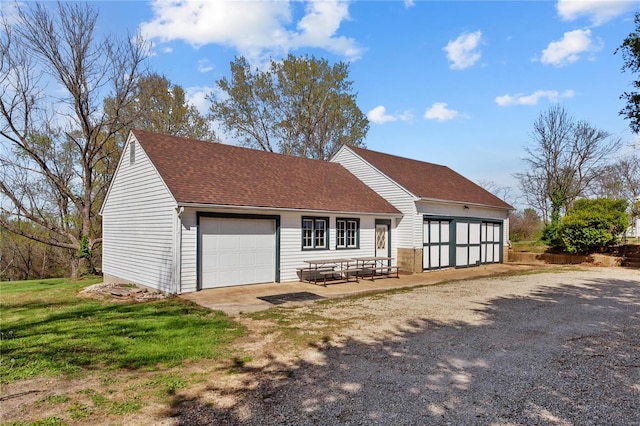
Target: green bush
550,234
591,226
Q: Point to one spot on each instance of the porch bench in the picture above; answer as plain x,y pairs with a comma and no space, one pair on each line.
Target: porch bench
312,272
346,273
383,270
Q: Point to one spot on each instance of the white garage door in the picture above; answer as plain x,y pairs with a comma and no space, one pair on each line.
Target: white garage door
436,250
237,251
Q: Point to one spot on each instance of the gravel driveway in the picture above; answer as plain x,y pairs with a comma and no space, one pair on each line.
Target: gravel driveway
550,348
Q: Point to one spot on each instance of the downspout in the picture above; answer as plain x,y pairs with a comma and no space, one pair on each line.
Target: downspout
177,261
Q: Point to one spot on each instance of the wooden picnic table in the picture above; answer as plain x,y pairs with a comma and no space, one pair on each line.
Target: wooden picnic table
379,264
326,267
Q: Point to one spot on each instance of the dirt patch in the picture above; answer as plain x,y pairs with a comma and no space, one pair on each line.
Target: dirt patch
121,293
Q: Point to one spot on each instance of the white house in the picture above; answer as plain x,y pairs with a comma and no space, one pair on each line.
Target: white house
447,220
183,215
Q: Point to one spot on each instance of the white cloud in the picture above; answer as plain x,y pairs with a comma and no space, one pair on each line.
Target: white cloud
599,11
568,49
205,66
254,28
439,111
463,52
534,98
197,96
409,3
379,115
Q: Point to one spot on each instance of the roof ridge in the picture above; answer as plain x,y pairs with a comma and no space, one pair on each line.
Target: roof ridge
222,144
430,180
202,172
400,157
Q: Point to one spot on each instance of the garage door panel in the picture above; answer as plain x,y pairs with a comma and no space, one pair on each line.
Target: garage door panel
462,256
474,233
444,231
444,256
434,235
462,233
237,251
436,244
488,252
474,255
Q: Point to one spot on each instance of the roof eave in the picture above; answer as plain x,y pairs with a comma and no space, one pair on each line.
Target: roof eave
287,209
464,203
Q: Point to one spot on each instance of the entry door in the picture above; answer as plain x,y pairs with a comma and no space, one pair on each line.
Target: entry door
435,253
382,240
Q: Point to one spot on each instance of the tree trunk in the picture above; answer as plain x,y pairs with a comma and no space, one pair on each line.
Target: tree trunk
74,263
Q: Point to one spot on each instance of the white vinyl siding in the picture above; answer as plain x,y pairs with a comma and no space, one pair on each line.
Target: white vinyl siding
403,234
189,271
291,254
138,225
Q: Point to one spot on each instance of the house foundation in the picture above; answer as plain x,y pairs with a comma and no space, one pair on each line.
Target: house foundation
410,260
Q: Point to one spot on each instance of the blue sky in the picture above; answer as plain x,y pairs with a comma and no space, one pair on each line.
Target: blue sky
454,83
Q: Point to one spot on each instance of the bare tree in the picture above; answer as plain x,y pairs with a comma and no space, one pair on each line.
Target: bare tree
620,180
56,138
565,158
524,225
505,193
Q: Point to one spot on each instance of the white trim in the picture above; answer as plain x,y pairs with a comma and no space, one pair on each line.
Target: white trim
462,203
284,209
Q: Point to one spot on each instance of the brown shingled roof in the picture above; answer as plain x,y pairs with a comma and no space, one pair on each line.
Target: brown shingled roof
213,173
427,180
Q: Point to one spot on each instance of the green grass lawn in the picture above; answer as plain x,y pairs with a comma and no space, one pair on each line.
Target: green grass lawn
46,329
529,246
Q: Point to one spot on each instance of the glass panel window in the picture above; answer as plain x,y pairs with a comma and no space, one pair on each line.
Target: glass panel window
314,233
352,230
307,233
320,231
341,233
347,233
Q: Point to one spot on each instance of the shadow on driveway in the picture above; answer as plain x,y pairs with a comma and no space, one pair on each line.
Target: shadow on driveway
563,355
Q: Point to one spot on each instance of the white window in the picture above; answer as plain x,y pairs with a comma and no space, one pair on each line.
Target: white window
347,231
314,233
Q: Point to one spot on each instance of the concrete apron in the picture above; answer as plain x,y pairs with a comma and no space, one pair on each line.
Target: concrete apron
234,300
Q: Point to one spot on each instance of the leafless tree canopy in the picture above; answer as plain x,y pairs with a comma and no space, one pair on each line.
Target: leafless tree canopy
56,138
564,159
620,180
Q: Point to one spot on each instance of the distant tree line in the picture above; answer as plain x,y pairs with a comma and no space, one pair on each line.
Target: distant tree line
60,150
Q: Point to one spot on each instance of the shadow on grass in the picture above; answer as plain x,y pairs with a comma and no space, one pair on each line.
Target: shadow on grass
62,337
563,355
